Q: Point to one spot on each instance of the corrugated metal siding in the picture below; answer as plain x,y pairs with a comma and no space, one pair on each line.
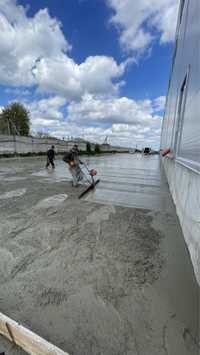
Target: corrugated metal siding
181,126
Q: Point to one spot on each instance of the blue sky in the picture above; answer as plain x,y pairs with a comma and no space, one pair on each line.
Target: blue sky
89,68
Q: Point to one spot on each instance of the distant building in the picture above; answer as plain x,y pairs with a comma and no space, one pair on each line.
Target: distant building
181,127
105,147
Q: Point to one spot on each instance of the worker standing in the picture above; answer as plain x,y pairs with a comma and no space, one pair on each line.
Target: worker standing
51,157
73,161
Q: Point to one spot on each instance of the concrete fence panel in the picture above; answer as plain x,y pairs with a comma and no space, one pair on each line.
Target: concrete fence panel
29,145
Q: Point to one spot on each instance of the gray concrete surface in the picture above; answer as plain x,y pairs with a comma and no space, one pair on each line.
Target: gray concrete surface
109,276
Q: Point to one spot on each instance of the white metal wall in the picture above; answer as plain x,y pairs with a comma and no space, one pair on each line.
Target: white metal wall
181,125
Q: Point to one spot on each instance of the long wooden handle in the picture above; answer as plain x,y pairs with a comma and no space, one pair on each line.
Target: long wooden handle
30,342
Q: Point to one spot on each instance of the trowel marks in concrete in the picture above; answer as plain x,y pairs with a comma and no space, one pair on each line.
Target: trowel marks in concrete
100,328
102,214
132,181
52,201
6,263
13,193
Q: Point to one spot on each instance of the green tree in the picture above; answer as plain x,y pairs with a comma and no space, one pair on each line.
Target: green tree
97,149
15,119
88,148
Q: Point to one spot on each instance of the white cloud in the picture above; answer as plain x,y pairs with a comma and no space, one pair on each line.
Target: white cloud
159,103
125,121
129,137
138,22
34,51
24,40
83,101
113,110
63,76
46,114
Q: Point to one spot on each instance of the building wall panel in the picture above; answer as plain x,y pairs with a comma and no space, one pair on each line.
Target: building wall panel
181,126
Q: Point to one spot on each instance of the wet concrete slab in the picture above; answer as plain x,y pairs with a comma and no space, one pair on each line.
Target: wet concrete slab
130,199
131,180
109,275
12,193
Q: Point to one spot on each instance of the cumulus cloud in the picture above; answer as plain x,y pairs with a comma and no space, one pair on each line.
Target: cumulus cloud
126,121
47,114
24,40
111,110
63,76
140,22
127,137
84,102
159,103
34,51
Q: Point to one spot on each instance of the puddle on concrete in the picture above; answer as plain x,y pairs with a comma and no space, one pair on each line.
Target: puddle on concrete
11,171
59,174
13,193
14,178
52,201
6,170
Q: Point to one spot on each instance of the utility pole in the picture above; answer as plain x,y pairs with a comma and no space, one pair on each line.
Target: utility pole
105,140
8,124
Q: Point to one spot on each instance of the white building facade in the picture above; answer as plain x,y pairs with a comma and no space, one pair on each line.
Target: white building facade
181,127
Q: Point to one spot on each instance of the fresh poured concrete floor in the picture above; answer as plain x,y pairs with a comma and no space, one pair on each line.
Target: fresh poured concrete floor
107,275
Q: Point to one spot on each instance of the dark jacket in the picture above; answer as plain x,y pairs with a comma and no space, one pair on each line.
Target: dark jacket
72,156
51,154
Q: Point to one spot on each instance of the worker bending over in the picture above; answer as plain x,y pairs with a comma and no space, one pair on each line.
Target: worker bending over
73,161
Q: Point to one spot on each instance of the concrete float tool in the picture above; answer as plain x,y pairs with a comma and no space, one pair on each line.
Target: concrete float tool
92,173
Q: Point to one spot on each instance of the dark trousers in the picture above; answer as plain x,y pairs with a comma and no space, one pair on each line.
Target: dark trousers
50,161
